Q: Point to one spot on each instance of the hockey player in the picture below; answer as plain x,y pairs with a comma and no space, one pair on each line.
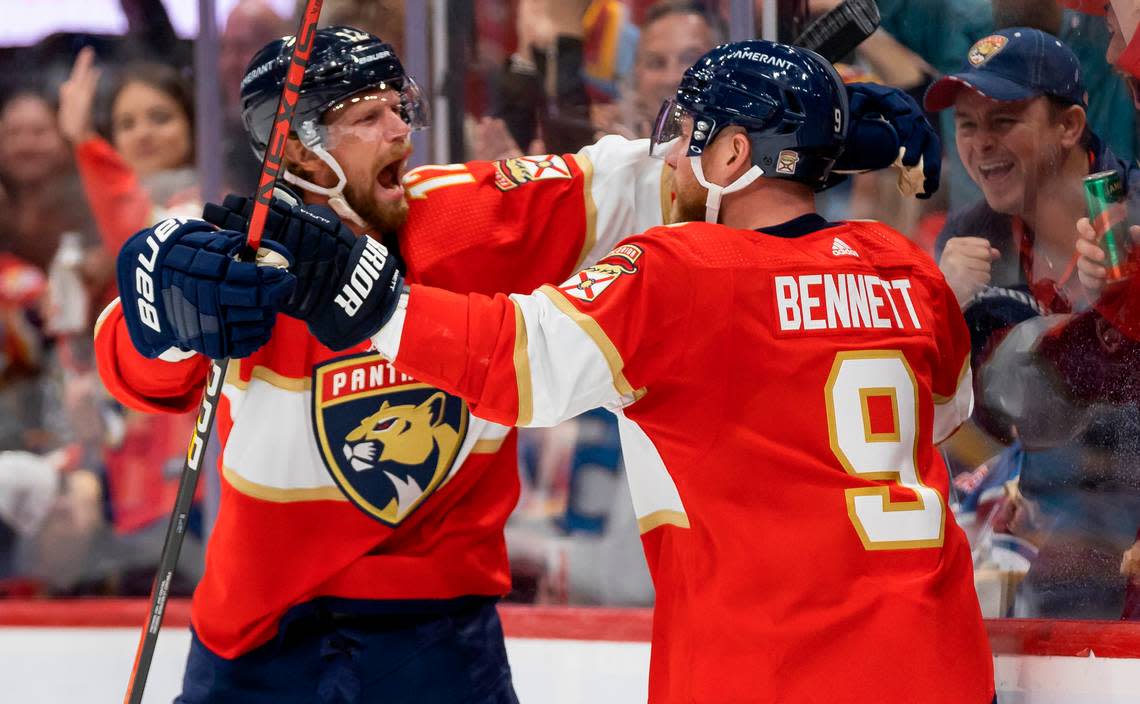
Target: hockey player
361,512
780,382
331,567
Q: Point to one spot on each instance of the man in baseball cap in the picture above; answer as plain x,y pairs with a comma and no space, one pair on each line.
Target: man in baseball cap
1019,112
1019,107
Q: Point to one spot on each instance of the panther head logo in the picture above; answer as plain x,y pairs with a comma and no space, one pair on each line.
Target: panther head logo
387,440
985,49
405,434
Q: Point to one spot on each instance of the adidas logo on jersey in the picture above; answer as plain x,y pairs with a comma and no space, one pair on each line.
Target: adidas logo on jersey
839,248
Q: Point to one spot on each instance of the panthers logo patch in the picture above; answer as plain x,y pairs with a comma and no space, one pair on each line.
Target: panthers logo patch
388,440
986,48
512,173
589,283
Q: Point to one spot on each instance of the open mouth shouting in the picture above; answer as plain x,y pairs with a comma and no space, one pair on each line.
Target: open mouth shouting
389,186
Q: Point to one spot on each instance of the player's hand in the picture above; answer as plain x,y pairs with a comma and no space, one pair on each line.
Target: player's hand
1090,260
1130,563
77,98
966,263
362,299
182,285
493,141
314,236
888,126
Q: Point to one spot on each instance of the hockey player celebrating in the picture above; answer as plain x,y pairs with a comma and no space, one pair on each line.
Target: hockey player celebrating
780,383
359,543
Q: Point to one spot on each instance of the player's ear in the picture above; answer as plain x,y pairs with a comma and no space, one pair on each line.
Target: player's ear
1072,120
739,156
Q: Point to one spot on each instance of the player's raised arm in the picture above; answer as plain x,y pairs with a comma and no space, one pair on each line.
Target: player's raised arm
528,360
171,383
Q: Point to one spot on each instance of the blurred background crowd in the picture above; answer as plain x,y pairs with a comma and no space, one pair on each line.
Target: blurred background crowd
116,113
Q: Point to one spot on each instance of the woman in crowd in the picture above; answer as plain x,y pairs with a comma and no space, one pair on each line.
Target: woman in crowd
146,171
39,194
143,173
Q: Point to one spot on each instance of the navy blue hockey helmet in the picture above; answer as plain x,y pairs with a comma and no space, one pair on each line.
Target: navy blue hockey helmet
344,61
790,100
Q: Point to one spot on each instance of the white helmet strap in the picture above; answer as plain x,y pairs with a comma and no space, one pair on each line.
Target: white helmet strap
712,203
311,139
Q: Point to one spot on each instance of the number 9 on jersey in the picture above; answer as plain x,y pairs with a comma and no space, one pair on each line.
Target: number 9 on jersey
872,416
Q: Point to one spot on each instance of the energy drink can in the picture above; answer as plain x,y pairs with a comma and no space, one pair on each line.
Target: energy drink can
1104,195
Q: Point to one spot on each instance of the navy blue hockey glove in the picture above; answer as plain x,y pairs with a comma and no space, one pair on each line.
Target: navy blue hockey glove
316,240
882,120
362,298
182,286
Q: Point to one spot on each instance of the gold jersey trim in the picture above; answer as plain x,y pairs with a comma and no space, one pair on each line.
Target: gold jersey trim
278,495
522,370
287,383
939,399
664,517
488,446
595,333
590,237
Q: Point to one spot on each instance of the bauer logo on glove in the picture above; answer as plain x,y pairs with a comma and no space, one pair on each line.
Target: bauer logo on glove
144,281
182,285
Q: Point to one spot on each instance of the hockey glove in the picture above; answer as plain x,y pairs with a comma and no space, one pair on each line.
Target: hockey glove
313,234
182,286
883,119
362,298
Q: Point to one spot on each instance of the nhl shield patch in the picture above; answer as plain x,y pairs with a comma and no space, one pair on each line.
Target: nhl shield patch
388,440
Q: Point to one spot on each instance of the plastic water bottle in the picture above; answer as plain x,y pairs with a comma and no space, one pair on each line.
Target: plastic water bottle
67,295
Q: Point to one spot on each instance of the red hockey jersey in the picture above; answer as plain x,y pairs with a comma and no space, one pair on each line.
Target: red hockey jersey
342,477
778,402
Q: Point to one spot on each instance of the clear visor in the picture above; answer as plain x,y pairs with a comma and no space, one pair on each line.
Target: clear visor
673,123
378,113
417,107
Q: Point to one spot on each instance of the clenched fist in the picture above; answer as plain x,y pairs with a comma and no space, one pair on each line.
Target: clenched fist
966,263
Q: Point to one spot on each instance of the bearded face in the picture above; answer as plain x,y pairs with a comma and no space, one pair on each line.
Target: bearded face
368,137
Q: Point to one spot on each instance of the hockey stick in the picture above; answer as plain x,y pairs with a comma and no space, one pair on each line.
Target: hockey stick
836,33
188,483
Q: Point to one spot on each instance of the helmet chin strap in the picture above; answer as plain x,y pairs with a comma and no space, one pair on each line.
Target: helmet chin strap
312,141
712,203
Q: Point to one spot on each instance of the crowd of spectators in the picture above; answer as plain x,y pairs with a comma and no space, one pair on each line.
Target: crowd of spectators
97,139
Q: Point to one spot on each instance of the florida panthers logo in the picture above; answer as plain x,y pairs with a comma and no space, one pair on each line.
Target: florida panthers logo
387,440
512,173
589,283
986,48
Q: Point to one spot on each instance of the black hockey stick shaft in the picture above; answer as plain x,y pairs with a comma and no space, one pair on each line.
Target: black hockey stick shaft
207,412
835,34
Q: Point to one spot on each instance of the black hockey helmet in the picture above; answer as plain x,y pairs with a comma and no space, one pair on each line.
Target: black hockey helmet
790,100
344,61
